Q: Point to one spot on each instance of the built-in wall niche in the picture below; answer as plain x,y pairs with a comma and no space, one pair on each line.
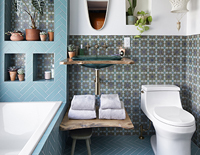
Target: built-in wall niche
13,59
141,5
43,62
22,22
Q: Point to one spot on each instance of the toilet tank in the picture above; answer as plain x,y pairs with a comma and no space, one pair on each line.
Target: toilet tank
159,95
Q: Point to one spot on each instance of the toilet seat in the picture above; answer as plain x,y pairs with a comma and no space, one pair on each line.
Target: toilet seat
173,116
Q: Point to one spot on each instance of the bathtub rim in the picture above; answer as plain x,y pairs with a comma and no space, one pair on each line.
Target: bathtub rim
39,132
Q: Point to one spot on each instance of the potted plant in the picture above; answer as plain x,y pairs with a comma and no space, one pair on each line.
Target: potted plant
20,74
51,35
143,19
71,50
131,18
13,72
15,35
43,36
38,5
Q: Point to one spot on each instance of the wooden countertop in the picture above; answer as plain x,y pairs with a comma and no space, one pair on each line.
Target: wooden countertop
69,61
71,124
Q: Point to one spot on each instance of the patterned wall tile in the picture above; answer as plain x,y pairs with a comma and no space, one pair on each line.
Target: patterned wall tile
158,60
192,84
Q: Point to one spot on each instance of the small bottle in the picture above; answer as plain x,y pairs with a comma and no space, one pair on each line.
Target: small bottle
52,71
81,51
47,75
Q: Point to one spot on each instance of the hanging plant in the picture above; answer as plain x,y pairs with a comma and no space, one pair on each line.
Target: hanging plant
141,23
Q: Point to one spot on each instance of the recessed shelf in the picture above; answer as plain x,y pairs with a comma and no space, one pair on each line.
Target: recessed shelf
42,62
13,59
142,5
23,21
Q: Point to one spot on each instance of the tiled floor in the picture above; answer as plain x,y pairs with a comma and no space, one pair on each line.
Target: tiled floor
117,145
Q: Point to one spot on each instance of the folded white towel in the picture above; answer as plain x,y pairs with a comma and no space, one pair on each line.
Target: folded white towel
81,114
83,102
112,113
110,101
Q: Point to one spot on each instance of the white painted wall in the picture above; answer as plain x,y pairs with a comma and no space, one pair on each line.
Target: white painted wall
193,17
164,22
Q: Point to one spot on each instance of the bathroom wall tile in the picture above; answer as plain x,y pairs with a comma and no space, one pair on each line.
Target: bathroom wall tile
157,61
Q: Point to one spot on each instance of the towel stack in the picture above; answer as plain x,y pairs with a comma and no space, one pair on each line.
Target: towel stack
82,107
111,107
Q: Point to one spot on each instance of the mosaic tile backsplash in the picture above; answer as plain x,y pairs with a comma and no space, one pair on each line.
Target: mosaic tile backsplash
44,23
158,60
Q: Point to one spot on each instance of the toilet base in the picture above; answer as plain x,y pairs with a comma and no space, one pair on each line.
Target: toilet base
153,143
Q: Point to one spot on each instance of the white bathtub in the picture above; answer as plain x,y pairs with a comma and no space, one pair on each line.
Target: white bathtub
22,124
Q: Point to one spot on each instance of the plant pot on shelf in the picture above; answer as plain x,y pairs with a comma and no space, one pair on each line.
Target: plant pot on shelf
72,54
21,77
16,36
12,75
51,36
43,37
131,20
32,34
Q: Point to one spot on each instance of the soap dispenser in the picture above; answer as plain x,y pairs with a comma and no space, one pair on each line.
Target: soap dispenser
81,52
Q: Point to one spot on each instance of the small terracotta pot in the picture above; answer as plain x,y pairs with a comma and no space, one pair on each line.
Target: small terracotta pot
51,36
43,37
13,75
21,77
32,34
71,54
16,36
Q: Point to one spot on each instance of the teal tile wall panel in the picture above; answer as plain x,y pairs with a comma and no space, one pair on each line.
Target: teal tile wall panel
35,90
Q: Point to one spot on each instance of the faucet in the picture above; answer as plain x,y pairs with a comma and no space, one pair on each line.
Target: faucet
105,46
87,46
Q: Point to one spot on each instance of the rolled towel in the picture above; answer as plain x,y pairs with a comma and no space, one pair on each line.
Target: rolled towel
112,113
110,101
83,102
81,114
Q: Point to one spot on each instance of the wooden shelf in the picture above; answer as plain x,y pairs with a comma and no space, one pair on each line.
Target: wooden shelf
69,61
71,124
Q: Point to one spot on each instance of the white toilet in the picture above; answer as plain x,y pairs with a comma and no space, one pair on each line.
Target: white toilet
174,126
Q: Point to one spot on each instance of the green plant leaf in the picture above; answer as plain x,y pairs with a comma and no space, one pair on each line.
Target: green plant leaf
140,20
149,19
137,36
141,31
39,5
130,12
134,3
140,26
146,28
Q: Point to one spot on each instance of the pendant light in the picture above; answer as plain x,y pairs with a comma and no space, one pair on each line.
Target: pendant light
180,8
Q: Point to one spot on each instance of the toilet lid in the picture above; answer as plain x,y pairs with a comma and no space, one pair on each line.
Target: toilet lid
174,116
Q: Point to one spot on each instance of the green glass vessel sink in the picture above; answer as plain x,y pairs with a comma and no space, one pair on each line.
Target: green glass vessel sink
96,58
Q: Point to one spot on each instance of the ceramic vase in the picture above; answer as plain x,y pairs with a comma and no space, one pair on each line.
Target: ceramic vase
43,37
16,36
131,20
13,75
21,77
32,34
51,36
71,54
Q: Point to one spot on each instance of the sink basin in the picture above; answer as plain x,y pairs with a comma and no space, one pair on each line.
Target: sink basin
96,58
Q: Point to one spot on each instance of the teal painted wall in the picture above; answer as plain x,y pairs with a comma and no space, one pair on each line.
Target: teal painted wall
29,90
